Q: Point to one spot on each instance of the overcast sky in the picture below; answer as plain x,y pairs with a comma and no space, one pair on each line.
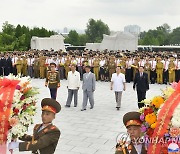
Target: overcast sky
57,14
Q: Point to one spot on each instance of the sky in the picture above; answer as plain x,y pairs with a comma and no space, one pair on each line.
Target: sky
74,14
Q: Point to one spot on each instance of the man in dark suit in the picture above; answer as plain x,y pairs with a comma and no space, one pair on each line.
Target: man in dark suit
7,65
45,136
1,66
142,85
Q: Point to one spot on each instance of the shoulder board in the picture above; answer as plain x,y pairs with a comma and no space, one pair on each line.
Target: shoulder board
53,127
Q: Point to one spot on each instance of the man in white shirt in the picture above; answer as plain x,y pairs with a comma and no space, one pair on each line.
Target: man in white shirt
80,65
73,86
30,61
61,67
165,71
118,85
153,70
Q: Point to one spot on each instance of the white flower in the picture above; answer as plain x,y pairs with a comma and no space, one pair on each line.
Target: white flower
176,117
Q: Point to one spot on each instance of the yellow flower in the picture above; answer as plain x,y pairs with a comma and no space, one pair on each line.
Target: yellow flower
157,101
150,118
153,126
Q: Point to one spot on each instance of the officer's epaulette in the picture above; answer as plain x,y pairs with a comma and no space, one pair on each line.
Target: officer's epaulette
53,127
50,128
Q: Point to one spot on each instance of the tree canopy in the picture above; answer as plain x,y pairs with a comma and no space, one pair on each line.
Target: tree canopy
19,37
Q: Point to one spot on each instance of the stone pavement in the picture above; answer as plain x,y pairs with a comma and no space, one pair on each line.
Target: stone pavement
91,131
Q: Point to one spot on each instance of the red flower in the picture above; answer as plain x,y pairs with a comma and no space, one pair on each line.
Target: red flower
22,97
148,111
150,132
16,111
24,107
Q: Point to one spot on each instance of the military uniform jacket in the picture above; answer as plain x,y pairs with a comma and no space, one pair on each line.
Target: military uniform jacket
132,151
42,142
53,79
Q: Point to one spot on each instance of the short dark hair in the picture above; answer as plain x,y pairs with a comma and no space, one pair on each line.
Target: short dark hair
88,67
141,66
53,64
119,67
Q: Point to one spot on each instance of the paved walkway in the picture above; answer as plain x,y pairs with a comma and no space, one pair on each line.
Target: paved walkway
91,131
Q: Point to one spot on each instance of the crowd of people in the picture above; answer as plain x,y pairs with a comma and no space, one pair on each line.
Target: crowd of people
161,67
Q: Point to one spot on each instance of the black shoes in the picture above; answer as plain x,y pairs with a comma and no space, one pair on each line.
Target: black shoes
117,108
67,105
83,109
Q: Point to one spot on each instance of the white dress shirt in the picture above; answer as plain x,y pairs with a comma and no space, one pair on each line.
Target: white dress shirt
73,80
138,148
118,81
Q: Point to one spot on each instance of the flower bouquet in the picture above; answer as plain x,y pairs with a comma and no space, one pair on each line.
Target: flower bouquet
17,108
161,121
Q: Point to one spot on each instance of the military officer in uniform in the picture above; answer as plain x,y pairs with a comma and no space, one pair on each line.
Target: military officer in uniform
147,69
111,66
19,65
42,68
67,66
36,67
132,123
46,135
171,70
53,80
24,66
96,68
159,71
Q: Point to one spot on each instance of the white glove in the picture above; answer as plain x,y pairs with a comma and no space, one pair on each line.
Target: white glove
13,145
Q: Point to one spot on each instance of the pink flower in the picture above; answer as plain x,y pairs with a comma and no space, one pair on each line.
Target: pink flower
142,117
143,128
18,87
22,97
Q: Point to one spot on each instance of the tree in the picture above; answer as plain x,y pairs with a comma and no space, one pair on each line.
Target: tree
18,31
95,30
158,36
83,39
73,38
175,36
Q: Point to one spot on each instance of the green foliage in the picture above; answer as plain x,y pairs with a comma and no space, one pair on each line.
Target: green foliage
175,36
95,30
162,35
19,37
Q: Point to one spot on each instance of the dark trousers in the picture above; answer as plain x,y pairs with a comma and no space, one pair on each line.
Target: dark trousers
1,71
128,75
153,77
177,75
30,71
6,71
53,92
72,92
141,96
61,72
80,70
14,70
165,77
